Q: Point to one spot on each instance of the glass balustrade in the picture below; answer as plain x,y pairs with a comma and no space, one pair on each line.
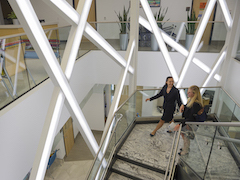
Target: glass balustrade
22,69
210,148
210,155
122,120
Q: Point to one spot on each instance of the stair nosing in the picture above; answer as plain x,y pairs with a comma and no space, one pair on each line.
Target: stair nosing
124,174
140,164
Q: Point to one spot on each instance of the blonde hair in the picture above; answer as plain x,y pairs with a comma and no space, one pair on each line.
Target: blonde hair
196,98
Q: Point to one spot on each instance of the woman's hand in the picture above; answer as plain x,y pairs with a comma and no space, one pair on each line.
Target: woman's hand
147,99
181,109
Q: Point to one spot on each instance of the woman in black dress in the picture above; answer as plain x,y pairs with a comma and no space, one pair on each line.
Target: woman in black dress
193,106
171,95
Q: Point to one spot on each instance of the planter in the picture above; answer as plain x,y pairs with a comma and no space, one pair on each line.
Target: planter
123,41
188,42
15,22
154,43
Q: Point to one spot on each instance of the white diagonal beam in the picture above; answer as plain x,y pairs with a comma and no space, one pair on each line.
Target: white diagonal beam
134,33
53,116
90,33
178,47
32,27
67,11
227,16
159,38
197,38
79,32
118,90
220,59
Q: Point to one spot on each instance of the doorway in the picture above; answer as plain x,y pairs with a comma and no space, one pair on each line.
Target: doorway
68,135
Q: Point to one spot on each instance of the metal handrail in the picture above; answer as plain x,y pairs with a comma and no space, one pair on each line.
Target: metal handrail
193,123
175,152
100,147
24,34
231,97
231,124
221,138
153,89
169,161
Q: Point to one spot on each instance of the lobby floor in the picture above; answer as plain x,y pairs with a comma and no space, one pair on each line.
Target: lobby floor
77,164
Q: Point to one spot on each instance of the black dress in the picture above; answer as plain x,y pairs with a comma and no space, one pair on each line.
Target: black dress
169,104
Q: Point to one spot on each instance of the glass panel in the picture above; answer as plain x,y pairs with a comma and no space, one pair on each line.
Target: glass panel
150,108
21,68
222,163
128,112
225,108
124,117
234,132
94,169
199,141
154,108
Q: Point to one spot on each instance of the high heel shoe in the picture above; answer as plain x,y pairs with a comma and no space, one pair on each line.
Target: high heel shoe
152,134
182,153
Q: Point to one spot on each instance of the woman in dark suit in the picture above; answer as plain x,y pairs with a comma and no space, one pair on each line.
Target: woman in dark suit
193,106
171,95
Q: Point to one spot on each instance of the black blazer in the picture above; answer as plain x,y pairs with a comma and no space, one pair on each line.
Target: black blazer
189,113
169,98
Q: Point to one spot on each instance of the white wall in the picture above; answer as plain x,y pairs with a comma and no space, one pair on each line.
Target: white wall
45,12
21,122
105,11
232,84
94,109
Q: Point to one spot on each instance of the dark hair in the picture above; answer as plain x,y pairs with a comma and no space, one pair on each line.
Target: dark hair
168,78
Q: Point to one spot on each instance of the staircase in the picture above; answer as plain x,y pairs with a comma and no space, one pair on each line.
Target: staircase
141,156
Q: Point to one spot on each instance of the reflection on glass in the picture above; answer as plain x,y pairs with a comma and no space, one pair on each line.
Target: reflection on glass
222,164
200,148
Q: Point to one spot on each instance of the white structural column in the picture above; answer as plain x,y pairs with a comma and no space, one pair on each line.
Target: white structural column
159,38
233,32
197,38
118,90
134,33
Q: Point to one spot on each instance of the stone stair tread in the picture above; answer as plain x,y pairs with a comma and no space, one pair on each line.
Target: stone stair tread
153,151
115,176
136,171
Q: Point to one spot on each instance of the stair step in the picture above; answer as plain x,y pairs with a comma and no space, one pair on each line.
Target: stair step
115,176
136,171
153,151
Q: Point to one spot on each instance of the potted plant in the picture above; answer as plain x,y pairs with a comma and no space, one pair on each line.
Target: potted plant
159,16
13,16
190,29
123,28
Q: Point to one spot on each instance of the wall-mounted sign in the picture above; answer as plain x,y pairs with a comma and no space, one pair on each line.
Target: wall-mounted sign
153,3
202,5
